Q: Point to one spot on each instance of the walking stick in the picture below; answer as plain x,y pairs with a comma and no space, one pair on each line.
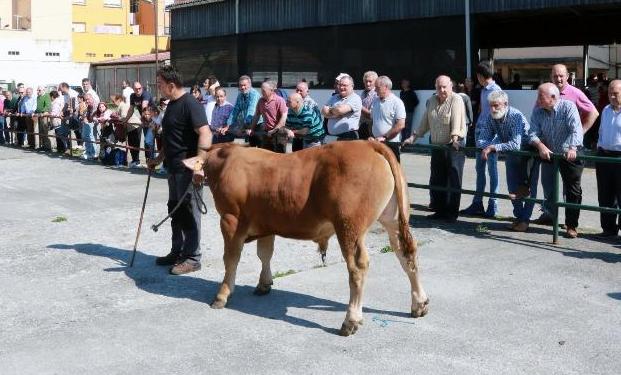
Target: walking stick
144,203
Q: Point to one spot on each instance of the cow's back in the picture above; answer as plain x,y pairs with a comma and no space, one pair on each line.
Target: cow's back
300,195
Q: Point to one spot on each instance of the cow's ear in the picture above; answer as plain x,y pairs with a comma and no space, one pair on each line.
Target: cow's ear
190,163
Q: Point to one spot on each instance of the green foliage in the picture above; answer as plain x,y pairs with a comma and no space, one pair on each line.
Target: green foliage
283,274
59,219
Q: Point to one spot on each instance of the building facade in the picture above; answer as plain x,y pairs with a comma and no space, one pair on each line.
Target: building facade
112,29
36,44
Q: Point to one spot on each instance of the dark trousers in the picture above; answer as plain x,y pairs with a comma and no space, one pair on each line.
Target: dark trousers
447,166
272,144
20,128
219,138
364,131
186,221
571,174
133,140
351,135
609,190
297,144
30,129
395,147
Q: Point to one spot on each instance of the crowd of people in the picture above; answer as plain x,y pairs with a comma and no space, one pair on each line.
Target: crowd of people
271,118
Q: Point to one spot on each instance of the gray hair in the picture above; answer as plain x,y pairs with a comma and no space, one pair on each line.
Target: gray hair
384,81
244,78
270,83
550,89
348,78
370,74
498,96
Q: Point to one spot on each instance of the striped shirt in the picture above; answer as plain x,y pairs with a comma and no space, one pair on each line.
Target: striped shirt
306,118
559,128
311,104
506,134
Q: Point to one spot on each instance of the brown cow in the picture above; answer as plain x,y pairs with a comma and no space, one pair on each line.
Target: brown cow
340,188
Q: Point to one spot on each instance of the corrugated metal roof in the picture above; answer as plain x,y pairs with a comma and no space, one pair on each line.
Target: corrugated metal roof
193,19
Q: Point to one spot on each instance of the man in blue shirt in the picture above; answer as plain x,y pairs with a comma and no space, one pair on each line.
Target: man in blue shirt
27,107
484,75
244,109
556,128
505,129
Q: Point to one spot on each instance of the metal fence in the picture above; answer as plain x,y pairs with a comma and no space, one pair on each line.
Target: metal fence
556,202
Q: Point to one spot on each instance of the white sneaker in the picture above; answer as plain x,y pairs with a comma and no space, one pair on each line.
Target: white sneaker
134,164
80,147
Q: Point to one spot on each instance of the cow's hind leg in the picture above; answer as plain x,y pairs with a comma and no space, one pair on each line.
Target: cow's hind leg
408,261
233,244
357,260
265,250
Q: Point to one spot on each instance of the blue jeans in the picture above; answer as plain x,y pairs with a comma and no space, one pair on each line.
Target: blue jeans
518,169
89,135
492,169
2,130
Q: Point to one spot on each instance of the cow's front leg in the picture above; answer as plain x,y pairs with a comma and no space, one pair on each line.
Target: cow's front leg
357,260
265,250
233,243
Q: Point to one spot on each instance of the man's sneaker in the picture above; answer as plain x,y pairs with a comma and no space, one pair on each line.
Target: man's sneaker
162,171
475,209
571,232
544,219
134,164
167,260
492,209
184,267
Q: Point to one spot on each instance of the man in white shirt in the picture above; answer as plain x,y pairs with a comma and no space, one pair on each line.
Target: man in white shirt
388,114
88,89
343,111
127,91
609,174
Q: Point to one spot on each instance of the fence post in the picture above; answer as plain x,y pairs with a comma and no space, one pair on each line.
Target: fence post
555,201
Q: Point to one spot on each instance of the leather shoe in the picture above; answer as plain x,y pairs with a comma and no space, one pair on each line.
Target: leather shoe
167,260
184,267
543,220
520,227
436,216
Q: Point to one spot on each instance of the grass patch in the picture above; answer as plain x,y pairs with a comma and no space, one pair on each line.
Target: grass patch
283,274
59,219
482,228
386,249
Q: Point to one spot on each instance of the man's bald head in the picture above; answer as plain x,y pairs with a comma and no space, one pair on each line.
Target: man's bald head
444,87
295,101
559,76
547,96
614,94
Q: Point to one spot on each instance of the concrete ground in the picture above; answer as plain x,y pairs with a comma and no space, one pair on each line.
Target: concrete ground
501,302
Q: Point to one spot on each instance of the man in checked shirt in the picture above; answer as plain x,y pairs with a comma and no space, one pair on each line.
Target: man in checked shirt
505,128
555,127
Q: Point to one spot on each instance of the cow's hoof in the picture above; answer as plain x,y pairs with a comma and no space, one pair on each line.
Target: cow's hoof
262,290
349,327
218,304
422,310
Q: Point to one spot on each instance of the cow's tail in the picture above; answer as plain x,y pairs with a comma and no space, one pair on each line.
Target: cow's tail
406,240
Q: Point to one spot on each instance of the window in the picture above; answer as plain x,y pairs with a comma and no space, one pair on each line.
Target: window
91,54
78,27
113,3
109,29
52,54
79,2
123,55
13,53
108,55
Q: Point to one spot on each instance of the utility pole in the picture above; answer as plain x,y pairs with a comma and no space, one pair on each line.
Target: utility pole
157,9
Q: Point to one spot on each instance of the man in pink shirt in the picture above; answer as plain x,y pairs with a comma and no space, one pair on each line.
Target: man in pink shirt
588,112
273,109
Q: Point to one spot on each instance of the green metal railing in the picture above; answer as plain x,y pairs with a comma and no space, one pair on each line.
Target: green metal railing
556,203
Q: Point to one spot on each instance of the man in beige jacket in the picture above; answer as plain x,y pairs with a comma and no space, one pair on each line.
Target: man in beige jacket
445,120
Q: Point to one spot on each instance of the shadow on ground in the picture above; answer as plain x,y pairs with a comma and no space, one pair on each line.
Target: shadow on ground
496,230
156,280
